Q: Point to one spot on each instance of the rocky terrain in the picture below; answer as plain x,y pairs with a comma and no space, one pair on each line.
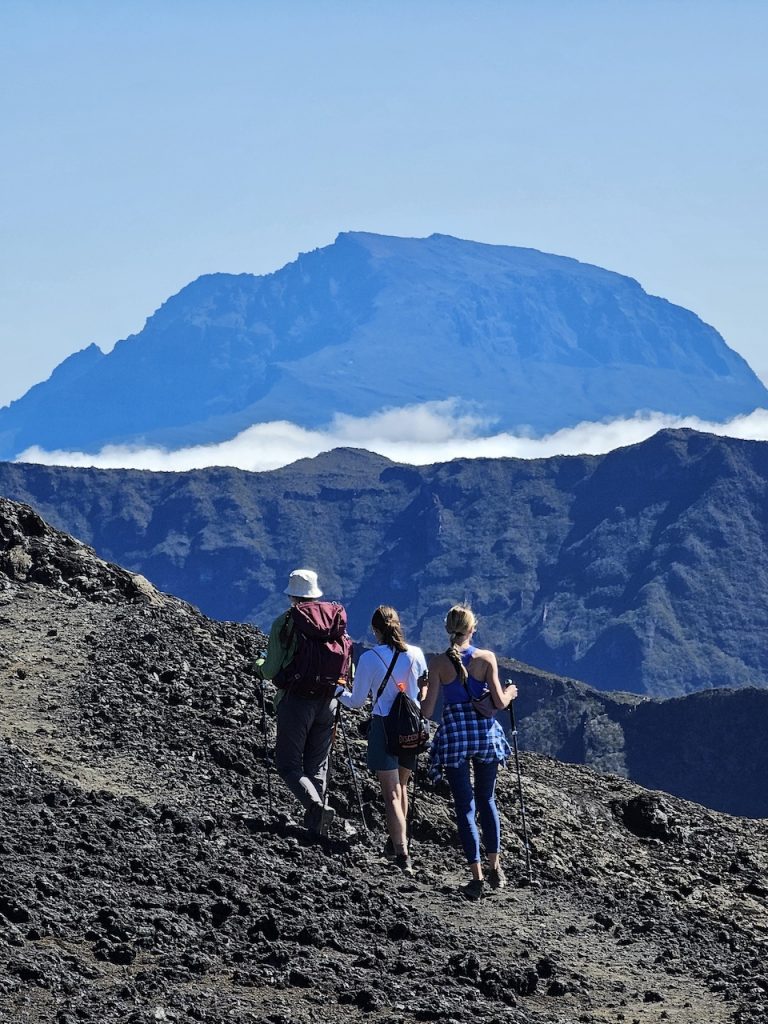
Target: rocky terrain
643,570
707,747
231,350
144,878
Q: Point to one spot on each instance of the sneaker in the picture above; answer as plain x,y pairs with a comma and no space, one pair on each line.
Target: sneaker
496,878
473,890
403,861
389,850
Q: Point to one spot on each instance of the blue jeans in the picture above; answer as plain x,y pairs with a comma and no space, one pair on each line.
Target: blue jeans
481,799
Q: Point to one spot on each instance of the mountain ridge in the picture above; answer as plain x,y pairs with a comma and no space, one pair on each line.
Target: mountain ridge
645,569
707,747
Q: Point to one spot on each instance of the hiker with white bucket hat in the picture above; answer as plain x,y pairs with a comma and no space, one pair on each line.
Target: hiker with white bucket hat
309,658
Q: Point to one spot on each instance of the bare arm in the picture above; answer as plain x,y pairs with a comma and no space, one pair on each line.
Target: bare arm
423,687
434,682
502,695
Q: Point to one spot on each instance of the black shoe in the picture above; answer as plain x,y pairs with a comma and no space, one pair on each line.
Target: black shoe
403,861
326,818
473,890
318,819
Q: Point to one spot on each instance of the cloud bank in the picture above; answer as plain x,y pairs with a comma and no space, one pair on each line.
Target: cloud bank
418,434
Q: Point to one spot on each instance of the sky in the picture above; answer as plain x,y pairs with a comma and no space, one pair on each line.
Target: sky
145,144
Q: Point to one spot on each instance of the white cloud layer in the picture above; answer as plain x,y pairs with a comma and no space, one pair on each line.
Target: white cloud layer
418,434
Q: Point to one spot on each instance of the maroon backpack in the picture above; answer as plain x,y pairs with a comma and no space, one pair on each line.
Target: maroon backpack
323,652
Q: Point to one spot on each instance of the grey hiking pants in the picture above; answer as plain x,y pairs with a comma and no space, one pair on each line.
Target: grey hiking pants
304,731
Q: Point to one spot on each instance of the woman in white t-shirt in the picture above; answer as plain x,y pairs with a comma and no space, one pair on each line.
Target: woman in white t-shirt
404,667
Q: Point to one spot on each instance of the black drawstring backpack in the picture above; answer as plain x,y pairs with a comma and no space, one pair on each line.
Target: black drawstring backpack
404,726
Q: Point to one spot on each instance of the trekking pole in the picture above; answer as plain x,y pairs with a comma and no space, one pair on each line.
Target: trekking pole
352,770
267,755
328,773
520,792
412,808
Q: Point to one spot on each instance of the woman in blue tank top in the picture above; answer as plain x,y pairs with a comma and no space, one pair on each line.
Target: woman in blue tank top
467,738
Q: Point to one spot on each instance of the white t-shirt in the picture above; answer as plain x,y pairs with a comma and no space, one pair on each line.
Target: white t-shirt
371,669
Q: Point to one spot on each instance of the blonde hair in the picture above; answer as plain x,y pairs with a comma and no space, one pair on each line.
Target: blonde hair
459,622
386,622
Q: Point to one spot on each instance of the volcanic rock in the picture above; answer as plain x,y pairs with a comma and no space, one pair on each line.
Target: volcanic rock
142,880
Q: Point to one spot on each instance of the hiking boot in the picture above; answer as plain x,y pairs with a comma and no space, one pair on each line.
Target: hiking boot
327,814
389,850
496,878
473,890
403,861
318,819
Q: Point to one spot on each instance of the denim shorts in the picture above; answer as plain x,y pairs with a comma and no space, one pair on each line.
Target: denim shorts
379,760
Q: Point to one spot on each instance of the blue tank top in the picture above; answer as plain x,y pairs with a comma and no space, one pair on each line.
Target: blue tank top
455,692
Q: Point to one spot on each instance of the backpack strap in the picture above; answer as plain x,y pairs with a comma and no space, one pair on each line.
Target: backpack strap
486,688
385,680
469,654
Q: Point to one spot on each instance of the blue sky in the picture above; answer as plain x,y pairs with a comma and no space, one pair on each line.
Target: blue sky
147,143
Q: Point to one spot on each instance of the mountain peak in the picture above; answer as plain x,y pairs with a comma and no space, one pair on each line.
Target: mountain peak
501,327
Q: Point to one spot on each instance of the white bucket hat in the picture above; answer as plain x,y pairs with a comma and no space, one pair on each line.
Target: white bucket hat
303,583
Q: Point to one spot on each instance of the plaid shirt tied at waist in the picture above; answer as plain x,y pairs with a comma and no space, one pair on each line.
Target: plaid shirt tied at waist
463,734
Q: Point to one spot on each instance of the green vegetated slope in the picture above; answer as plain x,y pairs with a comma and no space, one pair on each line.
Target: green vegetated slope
643,570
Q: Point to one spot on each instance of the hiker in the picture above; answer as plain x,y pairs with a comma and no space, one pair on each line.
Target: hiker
307,670
466,737
381,672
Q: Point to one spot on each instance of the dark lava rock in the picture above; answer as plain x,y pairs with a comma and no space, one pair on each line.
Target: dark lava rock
145,877
649,816
14,911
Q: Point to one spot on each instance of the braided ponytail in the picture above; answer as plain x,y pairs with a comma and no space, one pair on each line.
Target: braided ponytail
386,622
455,659
459,623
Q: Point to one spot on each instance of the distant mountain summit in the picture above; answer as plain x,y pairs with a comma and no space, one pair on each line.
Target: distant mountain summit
523,338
